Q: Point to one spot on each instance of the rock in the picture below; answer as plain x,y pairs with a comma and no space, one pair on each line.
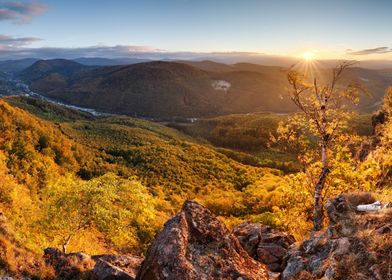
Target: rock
294,266
106,271
318,241
52,255
342,246
330,272
274,275
196,245
337,209
265,244
129,264
384,229
69,266
271,253
338,253
100,267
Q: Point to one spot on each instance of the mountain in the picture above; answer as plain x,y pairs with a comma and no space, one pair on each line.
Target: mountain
43,68
208,65
155,89
161,89
14,66
166,90
47,75
102,61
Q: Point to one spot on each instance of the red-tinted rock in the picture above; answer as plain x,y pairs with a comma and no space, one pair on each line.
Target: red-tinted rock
265,244
196,245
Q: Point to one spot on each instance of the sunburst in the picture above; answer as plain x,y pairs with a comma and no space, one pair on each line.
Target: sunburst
308,56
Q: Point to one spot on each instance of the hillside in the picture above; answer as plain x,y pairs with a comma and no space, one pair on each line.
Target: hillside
247,137
129,176
139,147
170,89
64,154
47,75
156,89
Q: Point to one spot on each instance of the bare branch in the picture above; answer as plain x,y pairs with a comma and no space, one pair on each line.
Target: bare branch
338,71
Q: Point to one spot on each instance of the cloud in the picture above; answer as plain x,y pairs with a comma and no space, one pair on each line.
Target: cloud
13,42
140,52
14,48
19,12
379,50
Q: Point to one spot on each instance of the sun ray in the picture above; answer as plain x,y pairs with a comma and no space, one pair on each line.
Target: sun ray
309,65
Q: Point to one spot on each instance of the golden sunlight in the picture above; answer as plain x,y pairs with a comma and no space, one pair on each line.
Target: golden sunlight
308,56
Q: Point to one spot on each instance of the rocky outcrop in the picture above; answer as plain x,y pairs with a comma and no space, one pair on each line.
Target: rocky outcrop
265,244
355,245
196,245
99,267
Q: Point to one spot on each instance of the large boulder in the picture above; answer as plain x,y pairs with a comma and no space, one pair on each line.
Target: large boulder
196,245
265,244
355,245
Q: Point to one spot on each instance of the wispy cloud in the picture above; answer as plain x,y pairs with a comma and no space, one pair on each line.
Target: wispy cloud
20,12
140,52
14,42
16,48
379,50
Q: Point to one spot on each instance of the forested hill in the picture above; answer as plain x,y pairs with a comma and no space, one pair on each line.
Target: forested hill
122,164
180,89
128,176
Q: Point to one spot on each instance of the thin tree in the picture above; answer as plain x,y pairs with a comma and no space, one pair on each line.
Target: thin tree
324,107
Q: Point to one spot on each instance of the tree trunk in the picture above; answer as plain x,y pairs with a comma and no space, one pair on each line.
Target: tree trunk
66,243
318,206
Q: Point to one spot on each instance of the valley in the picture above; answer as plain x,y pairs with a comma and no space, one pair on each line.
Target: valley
130,171
169,90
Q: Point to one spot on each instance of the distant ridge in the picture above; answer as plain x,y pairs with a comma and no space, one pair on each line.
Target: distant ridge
185,89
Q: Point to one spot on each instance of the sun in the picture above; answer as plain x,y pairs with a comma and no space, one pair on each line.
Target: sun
308,56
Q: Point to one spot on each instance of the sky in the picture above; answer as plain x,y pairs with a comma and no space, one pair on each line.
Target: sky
353,29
